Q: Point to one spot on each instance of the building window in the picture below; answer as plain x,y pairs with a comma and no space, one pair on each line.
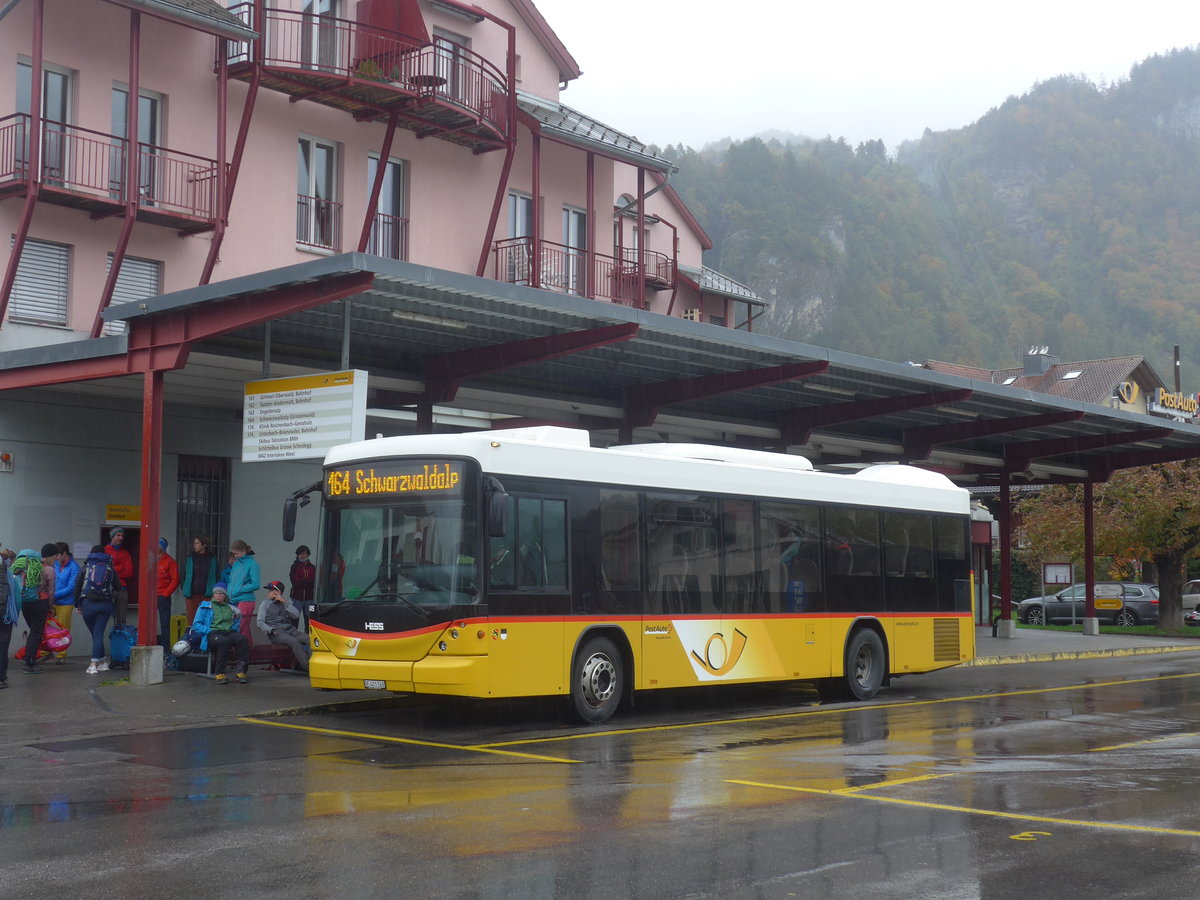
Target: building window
41,290
318,214
520,228
149,142
574,238
321,38
451,64
203,505
138,279
389,231
56,105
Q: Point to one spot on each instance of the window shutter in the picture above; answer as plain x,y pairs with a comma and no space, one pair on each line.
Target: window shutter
39,292
139,279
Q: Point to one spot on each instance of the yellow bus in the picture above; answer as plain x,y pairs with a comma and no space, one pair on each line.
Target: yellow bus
526,563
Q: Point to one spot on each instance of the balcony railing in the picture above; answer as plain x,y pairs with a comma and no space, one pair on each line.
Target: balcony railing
367,69
90,165
389,237
565,269
318,223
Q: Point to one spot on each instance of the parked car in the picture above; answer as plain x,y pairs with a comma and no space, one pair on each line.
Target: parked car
1191,595
1139,606
1191,617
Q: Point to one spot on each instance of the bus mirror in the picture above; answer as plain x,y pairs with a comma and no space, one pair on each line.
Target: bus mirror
290,505
497,508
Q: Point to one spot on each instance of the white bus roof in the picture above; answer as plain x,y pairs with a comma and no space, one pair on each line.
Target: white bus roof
566,454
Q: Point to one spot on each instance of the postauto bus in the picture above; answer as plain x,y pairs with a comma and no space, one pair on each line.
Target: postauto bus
526,562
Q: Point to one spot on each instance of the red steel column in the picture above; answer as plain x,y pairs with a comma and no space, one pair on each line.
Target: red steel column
535,216
152,428
377,185
589,289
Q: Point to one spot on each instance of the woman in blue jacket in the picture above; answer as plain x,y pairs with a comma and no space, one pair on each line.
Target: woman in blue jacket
244,579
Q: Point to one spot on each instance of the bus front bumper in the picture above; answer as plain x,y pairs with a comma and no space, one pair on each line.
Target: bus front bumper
458,676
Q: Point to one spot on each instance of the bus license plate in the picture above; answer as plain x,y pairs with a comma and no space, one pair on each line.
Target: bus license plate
372,685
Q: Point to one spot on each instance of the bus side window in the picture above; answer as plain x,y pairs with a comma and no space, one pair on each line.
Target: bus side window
534,552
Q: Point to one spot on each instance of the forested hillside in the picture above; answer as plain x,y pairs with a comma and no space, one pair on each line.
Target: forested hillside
1069,216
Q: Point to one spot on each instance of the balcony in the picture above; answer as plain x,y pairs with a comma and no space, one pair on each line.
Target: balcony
389,237
565,269
319,223
86,170
443,91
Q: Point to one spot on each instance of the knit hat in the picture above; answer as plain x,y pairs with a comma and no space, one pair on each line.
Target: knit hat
162,543
115,532
273,586
221,588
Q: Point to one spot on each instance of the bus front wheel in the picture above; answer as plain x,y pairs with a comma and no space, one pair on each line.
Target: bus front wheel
597,681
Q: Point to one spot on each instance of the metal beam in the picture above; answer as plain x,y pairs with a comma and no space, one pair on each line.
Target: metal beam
643,403
797,424
918,442
1102,469
444,372
1018,456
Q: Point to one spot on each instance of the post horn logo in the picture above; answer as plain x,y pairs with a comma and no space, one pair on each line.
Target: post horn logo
727,658
1127,391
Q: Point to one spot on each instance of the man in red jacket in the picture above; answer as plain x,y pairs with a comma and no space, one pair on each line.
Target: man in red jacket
168,584
123,566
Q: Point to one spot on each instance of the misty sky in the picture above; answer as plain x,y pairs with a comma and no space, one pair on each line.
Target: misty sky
694,71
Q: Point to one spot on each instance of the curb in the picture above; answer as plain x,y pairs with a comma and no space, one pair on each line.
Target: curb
1061,655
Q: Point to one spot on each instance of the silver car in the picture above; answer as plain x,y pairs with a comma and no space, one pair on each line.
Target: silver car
1191,595
1139,605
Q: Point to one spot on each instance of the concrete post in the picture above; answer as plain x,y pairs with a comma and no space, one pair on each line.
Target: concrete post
146,664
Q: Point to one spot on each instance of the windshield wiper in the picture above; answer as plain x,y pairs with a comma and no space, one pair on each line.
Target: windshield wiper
396,595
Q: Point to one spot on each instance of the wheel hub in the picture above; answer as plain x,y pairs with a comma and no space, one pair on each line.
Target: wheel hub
599,680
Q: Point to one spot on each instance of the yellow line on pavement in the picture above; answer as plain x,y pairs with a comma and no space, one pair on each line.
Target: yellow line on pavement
1021,817
367,736
829,711
888,784
1158,740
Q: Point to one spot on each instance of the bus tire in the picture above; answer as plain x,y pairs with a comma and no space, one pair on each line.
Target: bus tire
597,681
865,664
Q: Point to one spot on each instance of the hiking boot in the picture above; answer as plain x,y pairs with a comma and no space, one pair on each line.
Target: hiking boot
242,679
92,668
222,678
33,670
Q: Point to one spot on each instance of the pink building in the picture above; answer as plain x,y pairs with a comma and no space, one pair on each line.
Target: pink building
261,127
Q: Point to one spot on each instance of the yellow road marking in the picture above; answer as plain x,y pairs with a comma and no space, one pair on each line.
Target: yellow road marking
829,711
888,784
1022,817
1160,740
366,736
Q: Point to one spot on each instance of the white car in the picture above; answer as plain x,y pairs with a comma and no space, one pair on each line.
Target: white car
1191,595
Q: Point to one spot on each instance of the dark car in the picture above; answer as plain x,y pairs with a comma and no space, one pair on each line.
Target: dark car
1139,605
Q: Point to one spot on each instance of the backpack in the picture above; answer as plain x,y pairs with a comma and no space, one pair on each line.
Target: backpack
31,584
98,579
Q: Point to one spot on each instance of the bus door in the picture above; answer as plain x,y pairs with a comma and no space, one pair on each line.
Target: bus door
528,600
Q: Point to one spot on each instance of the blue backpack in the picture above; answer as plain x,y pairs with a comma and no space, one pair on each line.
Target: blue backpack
98,578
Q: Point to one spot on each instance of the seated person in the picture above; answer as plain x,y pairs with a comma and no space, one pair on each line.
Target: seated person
219,626
278,619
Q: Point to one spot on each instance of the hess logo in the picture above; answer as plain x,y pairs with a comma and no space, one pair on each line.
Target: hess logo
719,658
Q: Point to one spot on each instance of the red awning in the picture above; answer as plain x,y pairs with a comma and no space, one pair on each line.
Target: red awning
402,17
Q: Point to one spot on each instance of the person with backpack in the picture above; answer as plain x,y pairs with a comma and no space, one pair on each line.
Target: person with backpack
95,597
66,573
10,609
36,575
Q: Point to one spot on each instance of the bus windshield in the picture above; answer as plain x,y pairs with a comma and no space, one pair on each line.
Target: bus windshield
419,553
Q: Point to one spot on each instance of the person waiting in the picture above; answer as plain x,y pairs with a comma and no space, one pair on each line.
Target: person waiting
278,619
223,634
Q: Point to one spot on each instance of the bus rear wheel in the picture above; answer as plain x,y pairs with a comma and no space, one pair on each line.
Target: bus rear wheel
864,664
597,681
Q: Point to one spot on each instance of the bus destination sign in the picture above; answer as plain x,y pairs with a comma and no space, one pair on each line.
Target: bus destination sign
392,479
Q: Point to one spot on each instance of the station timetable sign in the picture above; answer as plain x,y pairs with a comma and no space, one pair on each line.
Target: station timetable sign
302,417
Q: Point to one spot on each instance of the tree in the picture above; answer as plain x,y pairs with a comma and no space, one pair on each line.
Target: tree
1150,513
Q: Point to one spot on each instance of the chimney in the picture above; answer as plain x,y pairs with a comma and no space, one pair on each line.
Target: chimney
1038,361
